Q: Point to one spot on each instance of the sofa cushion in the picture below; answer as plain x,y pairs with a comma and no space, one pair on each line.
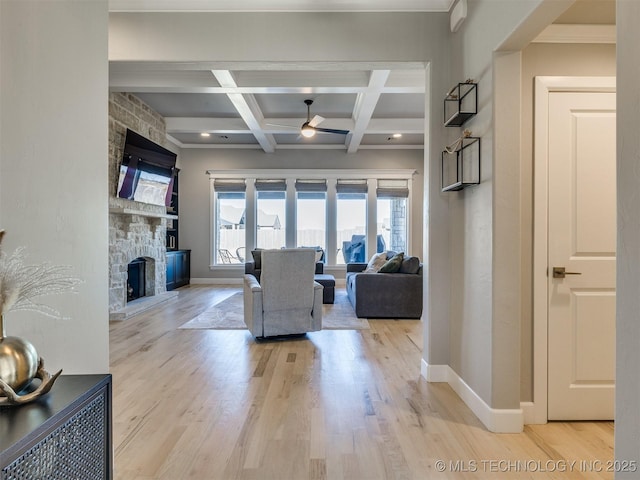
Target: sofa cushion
410,265
393,264
376,262
257,258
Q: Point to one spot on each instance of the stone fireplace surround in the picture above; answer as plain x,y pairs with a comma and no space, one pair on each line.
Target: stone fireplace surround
135,229
134,234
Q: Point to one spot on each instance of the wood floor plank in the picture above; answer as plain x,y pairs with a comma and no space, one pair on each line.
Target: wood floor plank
334,405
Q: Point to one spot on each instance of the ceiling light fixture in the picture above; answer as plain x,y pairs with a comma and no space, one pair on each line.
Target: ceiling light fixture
397,135
307,131
205,134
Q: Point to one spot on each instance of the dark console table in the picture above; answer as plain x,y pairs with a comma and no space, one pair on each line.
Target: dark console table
65,435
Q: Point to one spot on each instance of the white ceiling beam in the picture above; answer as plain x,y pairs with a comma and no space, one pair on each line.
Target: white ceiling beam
201,81
289,125
248,109
365,105
205,124
395,125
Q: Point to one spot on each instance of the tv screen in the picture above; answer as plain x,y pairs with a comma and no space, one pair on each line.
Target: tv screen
146,172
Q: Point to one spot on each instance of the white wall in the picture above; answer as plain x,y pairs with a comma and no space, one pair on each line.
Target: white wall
627,431
195,190
53,167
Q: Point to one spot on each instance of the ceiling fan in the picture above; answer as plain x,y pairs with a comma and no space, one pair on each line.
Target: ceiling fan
309,128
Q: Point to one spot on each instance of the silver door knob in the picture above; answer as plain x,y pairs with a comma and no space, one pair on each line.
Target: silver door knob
560,272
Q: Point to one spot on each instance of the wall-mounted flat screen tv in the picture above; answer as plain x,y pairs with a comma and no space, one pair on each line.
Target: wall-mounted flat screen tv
147,171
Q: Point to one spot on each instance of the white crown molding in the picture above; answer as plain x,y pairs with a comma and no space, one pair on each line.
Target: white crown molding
566,33
313,173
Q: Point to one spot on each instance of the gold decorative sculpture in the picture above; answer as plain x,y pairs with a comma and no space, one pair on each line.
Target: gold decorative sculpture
19,360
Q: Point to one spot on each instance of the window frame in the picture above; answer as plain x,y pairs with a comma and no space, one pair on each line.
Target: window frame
290,176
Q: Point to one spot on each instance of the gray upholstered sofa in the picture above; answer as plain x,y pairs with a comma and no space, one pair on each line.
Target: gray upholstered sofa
384,295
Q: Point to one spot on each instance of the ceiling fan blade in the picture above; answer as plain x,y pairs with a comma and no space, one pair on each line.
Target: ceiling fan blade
316,120
331,130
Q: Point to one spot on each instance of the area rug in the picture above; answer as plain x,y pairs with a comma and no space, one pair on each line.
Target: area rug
229,314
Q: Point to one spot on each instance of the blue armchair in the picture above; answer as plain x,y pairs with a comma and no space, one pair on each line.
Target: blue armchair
354,251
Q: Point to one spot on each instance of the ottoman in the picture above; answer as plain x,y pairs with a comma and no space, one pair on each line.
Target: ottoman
329,284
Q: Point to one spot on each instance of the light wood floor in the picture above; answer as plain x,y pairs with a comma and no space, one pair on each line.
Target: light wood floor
216,405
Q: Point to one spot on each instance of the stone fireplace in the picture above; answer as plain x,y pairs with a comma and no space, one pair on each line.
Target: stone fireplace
136,230
135,235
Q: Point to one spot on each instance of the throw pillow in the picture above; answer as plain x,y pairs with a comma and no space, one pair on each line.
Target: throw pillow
393,264
376,262
410,265
257,258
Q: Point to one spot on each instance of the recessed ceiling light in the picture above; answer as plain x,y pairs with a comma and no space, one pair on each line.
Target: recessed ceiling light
205,134
397,135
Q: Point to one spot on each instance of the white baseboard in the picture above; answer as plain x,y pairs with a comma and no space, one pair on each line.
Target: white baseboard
529,413
217,281
435,373
497,420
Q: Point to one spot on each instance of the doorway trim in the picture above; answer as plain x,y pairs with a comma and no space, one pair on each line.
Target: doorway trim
537,413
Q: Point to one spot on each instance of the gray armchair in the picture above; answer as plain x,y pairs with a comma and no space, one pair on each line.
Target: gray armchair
286,301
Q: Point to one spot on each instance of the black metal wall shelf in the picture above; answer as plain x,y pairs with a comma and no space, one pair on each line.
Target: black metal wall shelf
461,163
460,104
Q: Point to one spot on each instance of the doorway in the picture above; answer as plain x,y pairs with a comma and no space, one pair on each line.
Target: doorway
574,227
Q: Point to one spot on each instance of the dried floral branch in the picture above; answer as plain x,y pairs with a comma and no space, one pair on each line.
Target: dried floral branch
20,283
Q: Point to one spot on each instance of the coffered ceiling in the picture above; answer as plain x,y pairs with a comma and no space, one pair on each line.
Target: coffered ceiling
263,106
380,107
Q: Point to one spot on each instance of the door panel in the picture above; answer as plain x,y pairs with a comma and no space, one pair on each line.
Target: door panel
582,238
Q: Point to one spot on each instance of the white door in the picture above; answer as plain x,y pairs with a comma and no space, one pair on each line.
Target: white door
582,241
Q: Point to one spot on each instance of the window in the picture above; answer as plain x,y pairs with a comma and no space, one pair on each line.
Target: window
351,216
271,202
347,214
230,209
392,214
311,213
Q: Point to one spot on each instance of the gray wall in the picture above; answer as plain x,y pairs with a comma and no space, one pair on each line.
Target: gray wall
194,185
627,432
484,220
545,59
53,168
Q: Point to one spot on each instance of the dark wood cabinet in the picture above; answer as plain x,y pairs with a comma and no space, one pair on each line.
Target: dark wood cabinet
178,268
64,435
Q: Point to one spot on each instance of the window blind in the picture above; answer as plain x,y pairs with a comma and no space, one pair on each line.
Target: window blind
393,188
271,185
351,186
311,185
229,185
